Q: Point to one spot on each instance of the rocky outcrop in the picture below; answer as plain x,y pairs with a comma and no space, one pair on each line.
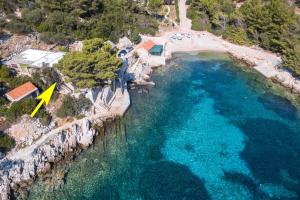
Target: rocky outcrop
17,174
287,80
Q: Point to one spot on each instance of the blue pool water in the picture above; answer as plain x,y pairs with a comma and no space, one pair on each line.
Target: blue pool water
209,129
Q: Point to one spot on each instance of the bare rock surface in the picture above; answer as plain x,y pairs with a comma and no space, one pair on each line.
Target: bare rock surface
20,169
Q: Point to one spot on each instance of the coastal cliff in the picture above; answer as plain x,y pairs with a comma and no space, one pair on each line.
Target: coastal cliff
17,174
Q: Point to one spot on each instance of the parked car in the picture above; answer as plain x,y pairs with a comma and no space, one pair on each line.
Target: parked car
173,37
179,36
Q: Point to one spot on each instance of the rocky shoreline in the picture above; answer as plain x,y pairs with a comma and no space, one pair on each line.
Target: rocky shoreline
19,172
266,63
17,175
22,166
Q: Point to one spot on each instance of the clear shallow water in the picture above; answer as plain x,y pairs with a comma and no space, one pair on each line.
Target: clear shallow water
207,130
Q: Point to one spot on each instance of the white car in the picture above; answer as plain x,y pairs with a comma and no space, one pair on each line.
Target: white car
179,36
173,37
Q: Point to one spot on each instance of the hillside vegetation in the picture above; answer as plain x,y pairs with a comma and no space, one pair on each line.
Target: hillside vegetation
61,21
9,80
91,66
271,24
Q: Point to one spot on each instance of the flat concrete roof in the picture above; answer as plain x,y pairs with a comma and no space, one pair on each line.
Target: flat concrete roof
36,58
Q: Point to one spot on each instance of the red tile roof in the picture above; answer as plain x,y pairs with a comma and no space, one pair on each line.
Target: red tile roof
148,45
21,91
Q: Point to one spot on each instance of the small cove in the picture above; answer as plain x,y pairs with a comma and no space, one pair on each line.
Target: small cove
209,129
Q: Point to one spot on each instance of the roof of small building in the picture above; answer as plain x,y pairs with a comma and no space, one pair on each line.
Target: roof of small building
36,58
124,42
21,91
156,49
148,45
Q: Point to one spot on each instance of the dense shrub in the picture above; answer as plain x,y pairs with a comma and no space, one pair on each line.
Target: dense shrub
44,117
8,78
6,142
154,4
237,35
45,77
63,21
135,37
26,106
16,26
14,81
52,37
3,101
4,73
18,109
33,17
73,107
2,24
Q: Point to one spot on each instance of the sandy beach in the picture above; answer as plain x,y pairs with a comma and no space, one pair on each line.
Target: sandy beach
265,62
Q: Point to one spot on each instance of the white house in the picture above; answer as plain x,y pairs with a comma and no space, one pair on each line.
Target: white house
33,59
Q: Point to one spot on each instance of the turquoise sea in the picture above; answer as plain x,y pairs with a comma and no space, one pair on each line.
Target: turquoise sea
209,129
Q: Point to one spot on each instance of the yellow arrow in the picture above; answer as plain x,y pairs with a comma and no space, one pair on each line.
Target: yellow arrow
45,97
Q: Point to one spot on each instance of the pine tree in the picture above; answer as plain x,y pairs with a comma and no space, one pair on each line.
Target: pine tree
91,66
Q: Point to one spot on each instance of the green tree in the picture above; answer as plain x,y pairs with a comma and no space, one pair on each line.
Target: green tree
91,46
272,24
63,21
33,17
91,66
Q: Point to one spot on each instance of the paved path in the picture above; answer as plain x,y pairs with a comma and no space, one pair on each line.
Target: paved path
185,23
167,16
27,151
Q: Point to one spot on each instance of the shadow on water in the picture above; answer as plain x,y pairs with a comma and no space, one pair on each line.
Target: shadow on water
220,85
281,106
271,147
167,180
